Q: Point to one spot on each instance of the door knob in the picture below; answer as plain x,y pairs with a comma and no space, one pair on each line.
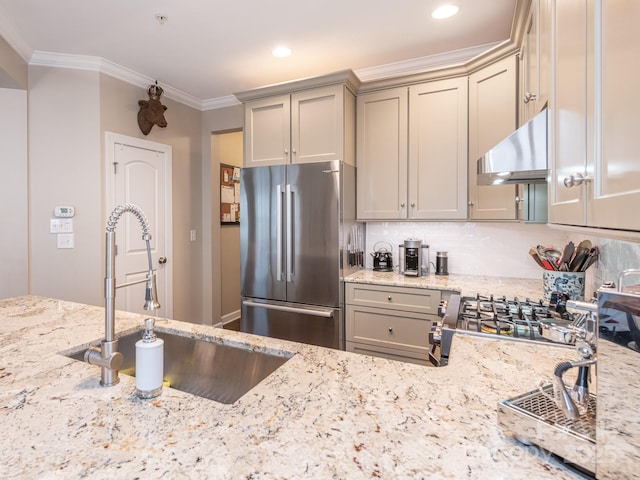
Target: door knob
162,260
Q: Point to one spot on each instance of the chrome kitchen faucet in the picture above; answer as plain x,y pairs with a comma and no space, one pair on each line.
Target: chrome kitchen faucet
107,356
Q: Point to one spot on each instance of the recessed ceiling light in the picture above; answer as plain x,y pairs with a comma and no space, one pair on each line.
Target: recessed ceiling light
444,11
281,52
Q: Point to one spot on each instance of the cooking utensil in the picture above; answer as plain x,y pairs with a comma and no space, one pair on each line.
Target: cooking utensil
591,258
567,253
554,256
578,259
546,261
534,254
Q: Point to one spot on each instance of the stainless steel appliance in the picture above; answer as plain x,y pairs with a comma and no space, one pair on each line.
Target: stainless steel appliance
382,258
519,158
294,250
618,423
414,258
523,320
442,263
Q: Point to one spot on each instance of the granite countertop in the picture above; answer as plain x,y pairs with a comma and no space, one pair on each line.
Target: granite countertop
323,414
467,285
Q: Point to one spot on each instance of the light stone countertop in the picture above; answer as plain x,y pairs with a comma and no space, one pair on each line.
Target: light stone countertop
323,414
467,285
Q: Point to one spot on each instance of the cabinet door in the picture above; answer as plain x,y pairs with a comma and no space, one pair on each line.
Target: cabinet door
317,125
529,58
438,150
382,155
615,199
492,116
568,114
267,133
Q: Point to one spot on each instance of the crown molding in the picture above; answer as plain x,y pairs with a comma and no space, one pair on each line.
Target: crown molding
422,64
220,102
101,65
346,77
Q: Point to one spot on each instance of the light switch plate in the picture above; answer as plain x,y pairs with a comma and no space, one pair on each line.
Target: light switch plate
61,225
65,240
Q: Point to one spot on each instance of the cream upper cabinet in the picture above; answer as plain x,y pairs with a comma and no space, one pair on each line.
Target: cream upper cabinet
492,117
382,138
568,114
595,167
438,150
304,125
267,131
412,152
535,61
614,195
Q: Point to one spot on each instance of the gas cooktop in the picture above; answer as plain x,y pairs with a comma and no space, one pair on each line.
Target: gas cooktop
510,317
528,320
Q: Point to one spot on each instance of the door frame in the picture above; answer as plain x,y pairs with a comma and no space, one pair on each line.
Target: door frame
111,139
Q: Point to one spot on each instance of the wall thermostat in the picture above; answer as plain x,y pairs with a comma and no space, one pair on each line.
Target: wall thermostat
64,211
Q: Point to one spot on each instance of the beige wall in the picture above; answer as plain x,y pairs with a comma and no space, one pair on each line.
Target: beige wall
227,148
13,193
65,169
13,68
213,121
69,113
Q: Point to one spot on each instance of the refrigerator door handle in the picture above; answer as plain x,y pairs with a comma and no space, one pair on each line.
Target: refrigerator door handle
289,195
279,233
320,312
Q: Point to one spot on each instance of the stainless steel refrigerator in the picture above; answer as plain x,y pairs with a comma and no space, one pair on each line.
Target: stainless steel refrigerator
294,235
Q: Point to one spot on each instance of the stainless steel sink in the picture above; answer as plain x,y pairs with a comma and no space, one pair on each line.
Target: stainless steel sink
212,370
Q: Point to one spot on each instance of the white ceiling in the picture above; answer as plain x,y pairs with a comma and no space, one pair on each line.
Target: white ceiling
208,49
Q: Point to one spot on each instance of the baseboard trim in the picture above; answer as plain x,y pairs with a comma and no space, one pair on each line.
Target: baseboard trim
230,317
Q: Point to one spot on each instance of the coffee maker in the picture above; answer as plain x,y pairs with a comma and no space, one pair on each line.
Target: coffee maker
414,258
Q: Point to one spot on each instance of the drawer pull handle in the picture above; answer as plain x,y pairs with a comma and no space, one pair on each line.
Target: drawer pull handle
390,329
389,298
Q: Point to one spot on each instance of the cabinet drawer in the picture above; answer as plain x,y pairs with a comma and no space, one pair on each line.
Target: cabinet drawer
389,353
389,328
418,300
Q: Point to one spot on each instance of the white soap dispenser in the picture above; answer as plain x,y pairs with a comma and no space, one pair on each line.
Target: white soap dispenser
149,362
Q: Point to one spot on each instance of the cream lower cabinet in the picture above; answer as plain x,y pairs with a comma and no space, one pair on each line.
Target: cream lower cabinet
412,152
492,117
595,167
390,322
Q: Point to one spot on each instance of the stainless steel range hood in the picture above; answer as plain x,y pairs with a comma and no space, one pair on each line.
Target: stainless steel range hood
519,158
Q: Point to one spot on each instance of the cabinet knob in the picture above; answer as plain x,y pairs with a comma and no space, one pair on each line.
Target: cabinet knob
470,204
286,151
529,97
413,204
519,199
402,204
576,180
390,329
389,298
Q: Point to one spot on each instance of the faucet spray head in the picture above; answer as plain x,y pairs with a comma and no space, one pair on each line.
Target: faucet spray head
151,293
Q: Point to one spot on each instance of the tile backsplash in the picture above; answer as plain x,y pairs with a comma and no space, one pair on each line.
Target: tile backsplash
500,249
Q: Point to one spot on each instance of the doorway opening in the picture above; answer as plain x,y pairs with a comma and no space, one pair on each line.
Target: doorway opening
227,150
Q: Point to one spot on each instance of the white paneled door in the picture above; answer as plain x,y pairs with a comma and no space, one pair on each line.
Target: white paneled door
139,172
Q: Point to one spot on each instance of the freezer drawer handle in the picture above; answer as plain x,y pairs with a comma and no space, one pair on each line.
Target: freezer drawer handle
306,311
